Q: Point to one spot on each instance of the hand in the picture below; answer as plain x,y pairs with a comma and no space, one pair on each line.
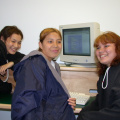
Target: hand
4,67
72,102
3,70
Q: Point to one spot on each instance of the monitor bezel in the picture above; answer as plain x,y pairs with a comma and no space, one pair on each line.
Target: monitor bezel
94,32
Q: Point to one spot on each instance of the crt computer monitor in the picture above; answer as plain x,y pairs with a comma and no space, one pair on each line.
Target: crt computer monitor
77,41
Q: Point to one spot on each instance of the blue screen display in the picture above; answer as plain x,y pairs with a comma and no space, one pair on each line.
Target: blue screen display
76,41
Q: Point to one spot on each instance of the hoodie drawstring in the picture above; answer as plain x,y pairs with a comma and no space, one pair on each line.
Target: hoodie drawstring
106,73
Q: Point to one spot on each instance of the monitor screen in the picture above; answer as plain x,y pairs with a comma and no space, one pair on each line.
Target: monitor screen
76,41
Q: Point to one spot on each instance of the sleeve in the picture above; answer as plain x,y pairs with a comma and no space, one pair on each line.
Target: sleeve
30,90
15,58
92,107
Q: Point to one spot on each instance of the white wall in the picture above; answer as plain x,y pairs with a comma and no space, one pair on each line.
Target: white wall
32,16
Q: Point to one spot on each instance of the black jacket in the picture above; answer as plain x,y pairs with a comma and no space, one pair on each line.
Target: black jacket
107,103
4,86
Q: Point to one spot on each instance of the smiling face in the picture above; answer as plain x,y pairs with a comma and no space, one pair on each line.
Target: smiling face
51,45
106,53
13,43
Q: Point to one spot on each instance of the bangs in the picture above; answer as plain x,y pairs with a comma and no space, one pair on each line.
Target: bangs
47,31
104,39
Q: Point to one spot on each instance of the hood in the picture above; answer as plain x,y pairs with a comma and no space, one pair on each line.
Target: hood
34,52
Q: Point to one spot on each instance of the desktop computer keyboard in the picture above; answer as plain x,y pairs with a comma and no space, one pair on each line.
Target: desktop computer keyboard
81,98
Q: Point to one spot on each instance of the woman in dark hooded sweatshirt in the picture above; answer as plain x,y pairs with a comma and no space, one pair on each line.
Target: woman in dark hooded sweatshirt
106,106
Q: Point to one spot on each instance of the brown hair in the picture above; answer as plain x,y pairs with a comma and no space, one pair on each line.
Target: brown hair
7,31
108,37
47,31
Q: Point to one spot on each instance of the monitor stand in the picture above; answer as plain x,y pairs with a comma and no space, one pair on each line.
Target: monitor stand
86,65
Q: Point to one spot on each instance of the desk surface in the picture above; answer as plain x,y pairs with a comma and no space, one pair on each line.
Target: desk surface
77,69
6,100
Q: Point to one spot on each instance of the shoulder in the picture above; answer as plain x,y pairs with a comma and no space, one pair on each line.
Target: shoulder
18,53
32,53
17,56
34,56
115,69
35,60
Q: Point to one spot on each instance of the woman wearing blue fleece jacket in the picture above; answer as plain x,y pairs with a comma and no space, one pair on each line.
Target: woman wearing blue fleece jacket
40,94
